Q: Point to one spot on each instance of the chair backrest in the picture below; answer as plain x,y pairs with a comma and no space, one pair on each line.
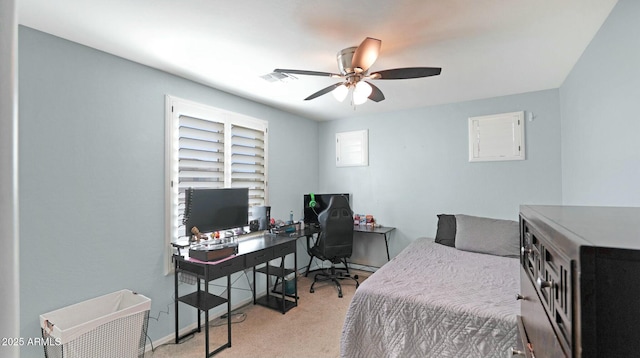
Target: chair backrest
336,225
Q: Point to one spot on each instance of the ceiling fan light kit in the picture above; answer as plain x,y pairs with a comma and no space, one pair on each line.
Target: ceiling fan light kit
353,65
341,92
361,92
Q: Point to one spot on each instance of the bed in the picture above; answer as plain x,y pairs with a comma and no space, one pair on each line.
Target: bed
434,300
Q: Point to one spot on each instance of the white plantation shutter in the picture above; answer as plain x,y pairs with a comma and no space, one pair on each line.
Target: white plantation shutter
201,153
248,162
210,148
200,159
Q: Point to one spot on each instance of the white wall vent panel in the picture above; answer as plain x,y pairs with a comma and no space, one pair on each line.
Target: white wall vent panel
496,137
352,148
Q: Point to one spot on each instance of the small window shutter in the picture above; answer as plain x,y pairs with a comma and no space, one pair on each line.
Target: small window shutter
248,162
496,137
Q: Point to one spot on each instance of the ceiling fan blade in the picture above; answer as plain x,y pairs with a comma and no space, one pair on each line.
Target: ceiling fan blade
366,54
376,95
406,73
309,73
324,91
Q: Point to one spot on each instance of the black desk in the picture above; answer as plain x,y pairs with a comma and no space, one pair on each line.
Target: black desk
252,252
380,230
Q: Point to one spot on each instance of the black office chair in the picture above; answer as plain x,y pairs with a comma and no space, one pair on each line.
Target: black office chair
335,242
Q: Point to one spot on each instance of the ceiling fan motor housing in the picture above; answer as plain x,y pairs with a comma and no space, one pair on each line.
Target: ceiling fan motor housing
344,58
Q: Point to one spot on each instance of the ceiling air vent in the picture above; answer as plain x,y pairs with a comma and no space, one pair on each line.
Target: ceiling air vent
278,76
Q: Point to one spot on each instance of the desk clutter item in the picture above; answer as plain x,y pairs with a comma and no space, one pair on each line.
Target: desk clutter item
213,250
288,228
361,219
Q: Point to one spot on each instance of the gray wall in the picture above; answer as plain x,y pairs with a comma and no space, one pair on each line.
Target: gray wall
418,165
600,122
92,173
9,279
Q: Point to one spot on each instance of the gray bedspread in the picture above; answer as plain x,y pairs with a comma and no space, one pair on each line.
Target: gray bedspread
435,301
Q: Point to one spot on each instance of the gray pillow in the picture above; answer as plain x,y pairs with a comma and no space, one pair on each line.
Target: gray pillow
446,232
488,236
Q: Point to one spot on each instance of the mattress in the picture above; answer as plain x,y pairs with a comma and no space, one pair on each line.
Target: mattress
433,300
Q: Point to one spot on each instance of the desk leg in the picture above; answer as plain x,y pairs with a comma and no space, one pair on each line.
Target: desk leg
254,284
308,267
295,276
268,279
309,237
229,310
199,317
175,283
206,314
284,289
386,242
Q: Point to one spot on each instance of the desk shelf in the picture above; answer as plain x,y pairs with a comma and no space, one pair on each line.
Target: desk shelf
201,300
274,271
275,302
280,301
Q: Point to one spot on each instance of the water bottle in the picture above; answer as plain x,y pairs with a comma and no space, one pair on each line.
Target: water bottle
291,217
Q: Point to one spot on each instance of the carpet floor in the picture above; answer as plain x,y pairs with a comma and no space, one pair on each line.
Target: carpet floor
312,329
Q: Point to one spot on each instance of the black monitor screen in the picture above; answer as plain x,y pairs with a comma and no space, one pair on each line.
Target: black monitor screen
322,201
216,209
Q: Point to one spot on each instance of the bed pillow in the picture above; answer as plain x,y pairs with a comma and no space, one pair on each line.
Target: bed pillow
446,233
487,236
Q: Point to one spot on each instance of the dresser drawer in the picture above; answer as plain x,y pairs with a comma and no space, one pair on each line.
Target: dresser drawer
530,251
537,325
214,271
284,249
548,274
225,268
558,296
190,267
259,257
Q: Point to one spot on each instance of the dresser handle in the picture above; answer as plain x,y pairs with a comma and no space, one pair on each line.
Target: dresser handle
519,297
543,283
516,352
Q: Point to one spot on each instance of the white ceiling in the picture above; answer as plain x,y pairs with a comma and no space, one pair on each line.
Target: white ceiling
486,48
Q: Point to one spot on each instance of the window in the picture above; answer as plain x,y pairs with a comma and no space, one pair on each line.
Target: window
207,147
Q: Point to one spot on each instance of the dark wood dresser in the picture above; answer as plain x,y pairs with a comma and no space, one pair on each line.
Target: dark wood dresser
580,282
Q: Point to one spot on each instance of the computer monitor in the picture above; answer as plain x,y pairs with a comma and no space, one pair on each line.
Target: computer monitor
216,209
321,201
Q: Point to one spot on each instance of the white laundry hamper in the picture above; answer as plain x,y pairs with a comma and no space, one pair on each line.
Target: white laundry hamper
109,326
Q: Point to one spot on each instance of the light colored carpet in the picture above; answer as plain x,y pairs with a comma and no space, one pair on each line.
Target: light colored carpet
312,329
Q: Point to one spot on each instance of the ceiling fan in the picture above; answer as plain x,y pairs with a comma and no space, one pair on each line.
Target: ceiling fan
353,64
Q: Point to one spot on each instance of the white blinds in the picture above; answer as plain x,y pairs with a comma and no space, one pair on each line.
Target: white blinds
248,162
200,159
201,153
